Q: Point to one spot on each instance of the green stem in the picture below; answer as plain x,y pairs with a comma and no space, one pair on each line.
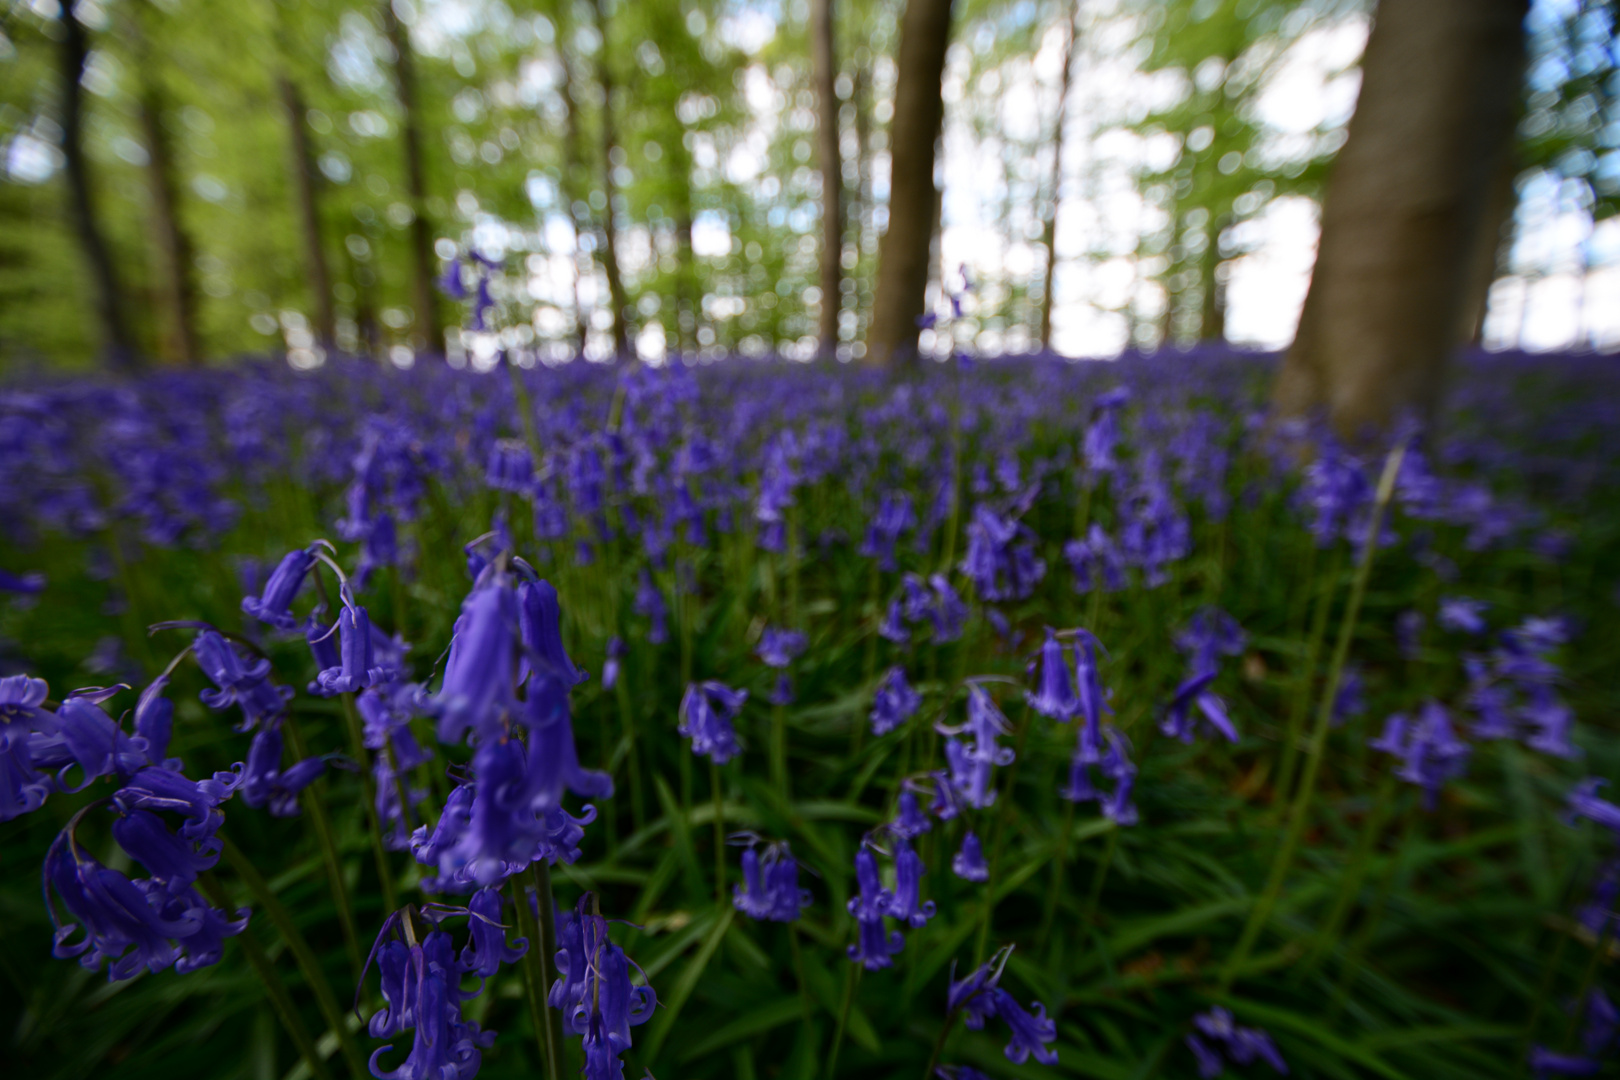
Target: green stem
260,890
1355,874
1375,915
534,976
939,1046
850,980
379,854
779,771
1053,891
804,986
1002,821
627,715
718,794
1100,877
1260,915
548,950
315,813
1307,676
274,989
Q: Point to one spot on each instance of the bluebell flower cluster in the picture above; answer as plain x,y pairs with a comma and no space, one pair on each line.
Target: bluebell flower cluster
1217,1039
1430,752
598,1001
770,891
980,997
894,703
706,712
1210,634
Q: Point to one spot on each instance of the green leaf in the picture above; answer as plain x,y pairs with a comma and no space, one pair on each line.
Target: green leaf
762,1019
684,986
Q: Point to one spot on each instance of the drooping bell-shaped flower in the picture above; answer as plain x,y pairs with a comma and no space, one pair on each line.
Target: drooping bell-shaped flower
1216,1032
1053,696
874,946
486,949
649,602
1462,614
84,737
1430,751
23,788
778,648
906,905
479,674
1096,562
706,713
263,781
172,861
1584,802
910,822
540,619
355,669
273,605
597,998
614,663
968,864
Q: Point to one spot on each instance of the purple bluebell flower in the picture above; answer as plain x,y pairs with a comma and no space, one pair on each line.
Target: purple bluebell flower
968,864
959,1072
1462,614
486,948
971,763
1215,1031
1599,912
1336,492
1351,700
427,997
22,584
273,605
909,822
894,703
706,713
894,516
1095,562
1115,766
1054,696
1000,558
893,627
1409,634
540,621
905,905
947,802
874,945
980,997
1584,802
1431,753
553,759
244,684
779,648
355,669
1179,719
23,789
479,674
83,735
772,890
597,999
510,466
948,613
614,662
264,783
1102,434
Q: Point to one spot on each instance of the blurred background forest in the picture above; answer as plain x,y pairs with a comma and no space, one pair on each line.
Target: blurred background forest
268,175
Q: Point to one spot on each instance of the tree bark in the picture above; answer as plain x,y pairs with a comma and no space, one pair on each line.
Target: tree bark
831,160
429,328
1495,234
610,189
1404,210
573,167
300,167
1212,319
1049,226
117,345
903,253
173,246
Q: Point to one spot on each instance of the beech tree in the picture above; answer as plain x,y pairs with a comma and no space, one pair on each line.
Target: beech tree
1407,206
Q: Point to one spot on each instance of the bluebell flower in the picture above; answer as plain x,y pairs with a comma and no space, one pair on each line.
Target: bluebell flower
129,925
479,674
1584,802
197,802
1000,557
154,720
771,891
1431,753
1115,766
1409,634
894,703
23,584
540,620
958,1072
553,759
910,822
1215,1031
905,904
947,802
706,713
893,627
1351,699
948,613
1091,700
1095,561
172,861
968,864
273,605
782,690
649,602
355,669
509,467
1209,634
614,662
445,1046
597,999
486,949
1101,438
244,684
83,735
1462,614
779,648
23,789
1335,492
1598,1033
971,763
1054,696
980,997
874,945
264,783
894,516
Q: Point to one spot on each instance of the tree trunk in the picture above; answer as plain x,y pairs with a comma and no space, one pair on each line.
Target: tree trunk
903,253
300,166
1212,319
173,247
832,173
1049,226
573,167
610,188
429,329
1404,210
1495,235
117,345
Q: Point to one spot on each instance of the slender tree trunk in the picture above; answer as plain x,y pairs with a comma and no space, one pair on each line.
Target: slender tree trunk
300,166
610,226
1049,226
117,345
686,275
1495,235
573,168
1212,319
429,328
861,212
919,110
1404,210
832,172
169,239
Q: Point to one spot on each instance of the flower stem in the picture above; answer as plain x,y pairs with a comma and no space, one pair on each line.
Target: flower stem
939,1045
548,950
357,747
1260,914
851,979
1099,878
274,989
260,890
1355,874
1049,915
1307,675
315,810
534,976
718,794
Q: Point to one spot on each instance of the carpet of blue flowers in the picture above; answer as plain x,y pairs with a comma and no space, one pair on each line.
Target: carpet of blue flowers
1003,719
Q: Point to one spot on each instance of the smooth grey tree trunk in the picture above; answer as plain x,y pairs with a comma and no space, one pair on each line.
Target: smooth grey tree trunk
117,345
1405,209
429,328
832,172
903,253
